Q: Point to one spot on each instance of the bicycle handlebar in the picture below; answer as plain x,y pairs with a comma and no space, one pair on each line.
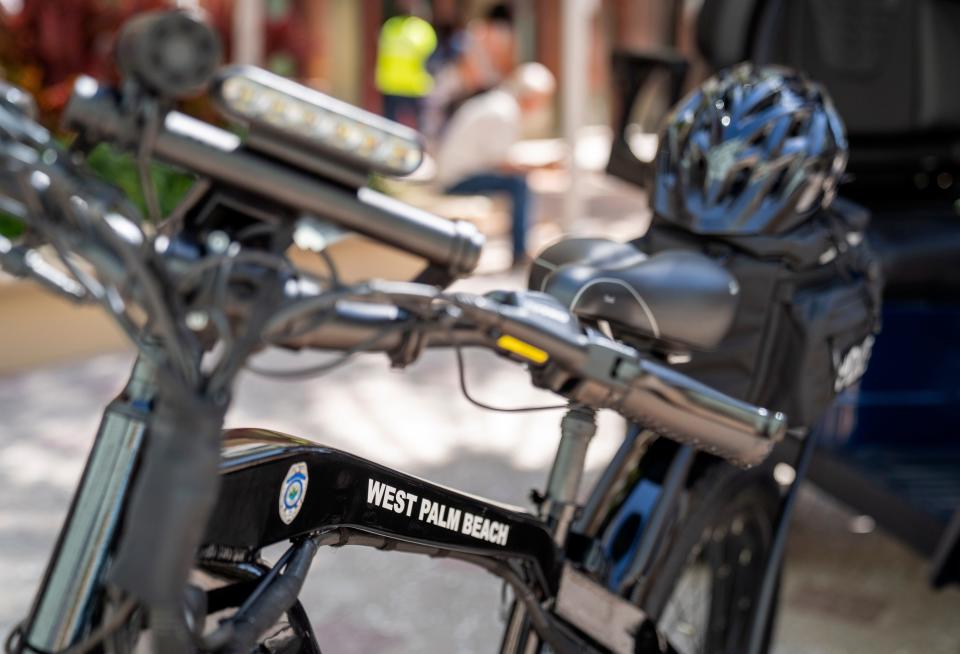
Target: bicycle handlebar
581,364
578,363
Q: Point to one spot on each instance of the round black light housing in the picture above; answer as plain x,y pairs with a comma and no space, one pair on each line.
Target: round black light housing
173,54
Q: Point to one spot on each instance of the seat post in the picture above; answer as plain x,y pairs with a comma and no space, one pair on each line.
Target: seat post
577,428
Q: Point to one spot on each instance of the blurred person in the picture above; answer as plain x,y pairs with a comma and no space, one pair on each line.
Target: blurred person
471,157
491,47
406,42
450,42
476,60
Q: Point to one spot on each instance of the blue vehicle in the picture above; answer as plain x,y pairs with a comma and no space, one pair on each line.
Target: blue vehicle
889,447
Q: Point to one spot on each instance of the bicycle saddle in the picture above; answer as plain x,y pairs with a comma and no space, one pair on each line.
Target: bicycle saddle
677,297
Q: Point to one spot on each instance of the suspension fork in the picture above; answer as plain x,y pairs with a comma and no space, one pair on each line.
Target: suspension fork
71,590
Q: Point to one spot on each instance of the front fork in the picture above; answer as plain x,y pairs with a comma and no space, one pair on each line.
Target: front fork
71,592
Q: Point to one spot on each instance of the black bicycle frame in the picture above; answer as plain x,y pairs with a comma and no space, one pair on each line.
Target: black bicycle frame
359,502
276,488
344,492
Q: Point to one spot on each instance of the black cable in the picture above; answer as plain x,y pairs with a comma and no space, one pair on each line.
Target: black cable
306,326
12,645
64,185
323,302
323,368
97,636
115,622
267,229
156,300
268,311
331,267
264,306
461,371
148,138
237,347
99,293
276,262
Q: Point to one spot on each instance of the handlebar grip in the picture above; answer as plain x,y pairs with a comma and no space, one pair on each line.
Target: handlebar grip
687,411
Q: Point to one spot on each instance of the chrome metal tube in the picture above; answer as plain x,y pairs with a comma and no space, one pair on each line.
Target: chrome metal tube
212,152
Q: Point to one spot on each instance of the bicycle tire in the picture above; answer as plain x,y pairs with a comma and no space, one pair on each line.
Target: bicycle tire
724,538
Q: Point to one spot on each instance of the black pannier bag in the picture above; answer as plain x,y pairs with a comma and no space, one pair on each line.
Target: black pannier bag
808,313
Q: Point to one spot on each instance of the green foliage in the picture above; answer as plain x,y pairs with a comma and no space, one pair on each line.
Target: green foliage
10,227
120,169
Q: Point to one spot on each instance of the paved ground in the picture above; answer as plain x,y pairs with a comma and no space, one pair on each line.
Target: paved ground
844,592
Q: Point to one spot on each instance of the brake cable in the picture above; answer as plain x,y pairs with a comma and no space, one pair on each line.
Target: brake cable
15,642
323,368
461,373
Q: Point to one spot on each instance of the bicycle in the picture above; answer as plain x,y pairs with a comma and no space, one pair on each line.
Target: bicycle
165,533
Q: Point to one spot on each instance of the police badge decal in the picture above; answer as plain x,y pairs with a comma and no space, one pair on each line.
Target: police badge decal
293,492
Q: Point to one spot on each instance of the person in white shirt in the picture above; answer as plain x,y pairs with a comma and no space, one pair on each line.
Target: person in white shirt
471,156
479,58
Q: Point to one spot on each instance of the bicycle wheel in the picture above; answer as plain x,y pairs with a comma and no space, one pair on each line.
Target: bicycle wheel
705,587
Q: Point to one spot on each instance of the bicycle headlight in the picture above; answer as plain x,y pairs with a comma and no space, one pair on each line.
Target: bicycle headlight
274,106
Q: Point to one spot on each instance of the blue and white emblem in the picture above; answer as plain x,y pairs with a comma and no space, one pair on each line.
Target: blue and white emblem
293,492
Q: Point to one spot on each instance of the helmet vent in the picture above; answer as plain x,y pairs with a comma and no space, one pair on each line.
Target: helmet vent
777,187
740,181
769,102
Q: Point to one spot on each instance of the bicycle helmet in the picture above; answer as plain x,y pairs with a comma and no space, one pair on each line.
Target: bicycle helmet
751,151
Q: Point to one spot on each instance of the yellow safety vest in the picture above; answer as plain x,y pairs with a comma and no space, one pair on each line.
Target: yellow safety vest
405,44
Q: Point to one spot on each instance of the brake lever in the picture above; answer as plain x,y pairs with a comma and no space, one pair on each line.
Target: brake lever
528,324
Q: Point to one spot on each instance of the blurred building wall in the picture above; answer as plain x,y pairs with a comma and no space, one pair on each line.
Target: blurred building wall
329,44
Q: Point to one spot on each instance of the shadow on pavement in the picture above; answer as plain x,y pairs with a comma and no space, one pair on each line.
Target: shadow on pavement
843,592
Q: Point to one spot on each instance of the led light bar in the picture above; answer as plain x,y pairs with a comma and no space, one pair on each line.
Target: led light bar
275,106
